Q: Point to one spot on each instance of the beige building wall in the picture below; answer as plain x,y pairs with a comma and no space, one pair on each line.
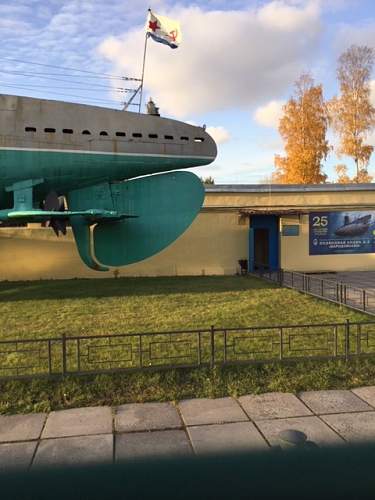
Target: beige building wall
294,252
212,245
329,200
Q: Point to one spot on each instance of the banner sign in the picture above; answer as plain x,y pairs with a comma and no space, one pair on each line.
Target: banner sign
341,232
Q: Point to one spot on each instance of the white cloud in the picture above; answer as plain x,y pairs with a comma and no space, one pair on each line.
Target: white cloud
269,115
227,58
286,17
260,167
219,134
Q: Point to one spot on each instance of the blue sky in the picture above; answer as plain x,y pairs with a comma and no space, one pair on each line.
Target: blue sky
233,71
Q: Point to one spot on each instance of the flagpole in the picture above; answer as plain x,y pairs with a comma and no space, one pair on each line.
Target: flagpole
143,69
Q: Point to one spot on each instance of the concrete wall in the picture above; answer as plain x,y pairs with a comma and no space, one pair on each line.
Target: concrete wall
212,245
295,253
302,200
294,250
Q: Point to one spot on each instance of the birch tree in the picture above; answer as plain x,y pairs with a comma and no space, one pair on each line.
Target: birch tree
303,128
352,114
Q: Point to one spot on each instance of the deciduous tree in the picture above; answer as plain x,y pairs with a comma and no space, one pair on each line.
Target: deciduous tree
303,128
344,178
208,180
342,174
352,114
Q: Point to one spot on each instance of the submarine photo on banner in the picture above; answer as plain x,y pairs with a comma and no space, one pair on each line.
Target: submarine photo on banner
341,232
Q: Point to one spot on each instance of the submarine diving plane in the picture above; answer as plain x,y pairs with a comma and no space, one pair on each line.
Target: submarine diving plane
112,175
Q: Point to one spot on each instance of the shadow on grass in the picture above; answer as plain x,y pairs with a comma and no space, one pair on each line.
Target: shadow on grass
122,287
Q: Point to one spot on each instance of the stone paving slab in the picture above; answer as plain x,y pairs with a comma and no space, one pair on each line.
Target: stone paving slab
82,450
238,436
211,411
86,435
78,422
353,427
273,405
366,393
315,430
336,401
16,455
152,444
146,417
21,427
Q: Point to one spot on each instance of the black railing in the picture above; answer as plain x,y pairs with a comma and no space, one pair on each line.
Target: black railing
210,347
360,299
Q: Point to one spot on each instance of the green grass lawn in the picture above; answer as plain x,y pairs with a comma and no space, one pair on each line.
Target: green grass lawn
76,307
124,305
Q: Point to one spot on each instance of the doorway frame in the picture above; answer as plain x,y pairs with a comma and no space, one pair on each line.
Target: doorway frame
272,224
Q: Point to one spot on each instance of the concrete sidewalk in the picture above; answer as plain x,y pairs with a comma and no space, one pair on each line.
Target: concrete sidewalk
103,434
359,279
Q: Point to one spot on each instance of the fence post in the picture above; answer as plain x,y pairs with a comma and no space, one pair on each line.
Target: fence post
359,335
281,344
212,346
199,349
364,299
347,343
63,338
335,342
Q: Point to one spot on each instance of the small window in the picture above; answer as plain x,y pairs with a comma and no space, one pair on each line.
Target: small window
184,138
198,139
153,136
30,129
120,134
50,130
67,131
86,132
103,132
137,134
168,137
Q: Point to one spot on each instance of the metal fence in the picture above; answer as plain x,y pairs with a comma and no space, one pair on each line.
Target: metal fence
341,293
207,347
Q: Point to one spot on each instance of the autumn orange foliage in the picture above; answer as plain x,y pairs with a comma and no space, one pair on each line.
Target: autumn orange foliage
303,128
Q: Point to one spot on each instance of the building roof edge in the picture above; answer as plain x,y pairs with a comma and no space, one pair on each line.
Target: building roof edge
287,188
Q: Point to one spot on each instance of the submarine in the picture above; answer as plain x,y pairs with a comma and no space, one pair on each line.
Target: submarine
356,227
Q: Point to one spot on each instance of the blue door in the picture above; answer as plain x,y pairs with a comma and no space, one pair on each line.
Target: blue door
264,242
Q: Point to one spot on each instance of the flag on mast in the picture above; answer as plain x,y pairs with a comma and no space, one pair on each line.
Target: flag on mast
163,30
